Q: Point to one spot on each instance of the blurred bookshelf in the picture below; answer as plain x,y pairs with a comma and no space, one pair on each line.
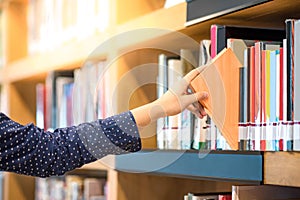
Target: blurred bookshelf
28,59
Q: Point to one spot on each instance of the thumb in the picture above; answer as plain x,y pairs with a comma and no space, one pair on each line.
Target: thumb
198,96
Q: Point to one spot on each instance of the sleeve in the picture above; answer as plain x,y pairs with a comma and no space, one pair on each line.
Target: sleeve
32,151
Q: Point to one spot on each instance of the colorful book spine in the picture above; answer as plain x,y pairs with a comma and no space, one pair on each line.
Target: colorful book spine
263,101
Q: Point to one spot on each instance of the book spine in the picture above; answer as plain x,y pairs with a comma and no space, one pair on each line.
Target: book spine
263,101
40,105
162,87
174,122
213,38
297,70
252,97
290,68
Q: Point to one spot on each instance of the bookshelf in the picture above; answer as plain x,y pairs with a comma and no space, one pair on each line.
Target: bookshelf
22,71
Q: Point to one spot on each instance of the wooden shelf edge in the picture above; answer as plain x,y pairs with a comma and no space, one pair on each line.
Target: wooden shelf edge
282,168
97,165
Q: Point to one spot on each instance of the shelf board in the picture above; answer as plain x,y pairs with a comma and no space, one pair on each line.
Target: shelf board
97,165
233,166
282,168
73,55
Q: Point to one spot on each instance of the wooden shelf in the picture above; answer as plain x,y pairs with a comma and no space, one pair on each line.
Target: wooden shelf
74,55
270,14
233,166
282,168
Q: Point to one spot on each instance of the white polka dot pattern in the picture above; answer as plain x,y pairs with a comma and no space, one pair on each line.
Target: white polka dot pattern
117,134
32,151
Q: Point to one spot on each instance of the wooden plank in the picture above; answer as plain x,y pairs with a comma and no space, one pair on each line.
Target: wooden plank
282,168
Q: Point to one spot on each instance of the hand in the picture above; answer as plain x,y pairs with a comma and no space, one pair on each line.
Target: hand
173,102
177,98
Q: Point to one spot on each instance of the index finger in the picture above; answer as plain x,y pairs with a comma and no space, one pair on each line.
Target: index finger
192,74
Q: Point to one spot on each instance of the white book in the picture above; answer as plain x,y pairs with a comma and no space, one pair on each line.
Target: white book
61,111
296,136
162,87
174,122
196,135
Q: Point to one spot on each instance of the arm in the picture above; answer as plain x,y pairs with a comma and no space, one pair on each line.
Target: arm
32,151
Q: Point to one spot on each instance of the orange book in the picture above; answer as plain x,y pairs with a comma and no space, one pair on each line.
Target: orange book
220,78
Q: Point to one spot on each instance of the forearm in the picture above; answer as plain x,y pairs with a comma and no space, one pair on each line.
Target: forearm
148,113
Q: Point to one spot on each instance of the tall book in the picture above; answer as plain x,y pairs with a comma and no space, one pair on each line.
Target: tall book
51,96
290,35
40,105
220,79
162,87
200,137
63,113
175,73
189,61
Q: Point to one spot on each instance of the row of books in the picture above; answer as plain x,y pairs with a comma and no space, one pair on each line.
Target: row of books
70,187
268,91
248,192
53,23
71,97
252,106
174,132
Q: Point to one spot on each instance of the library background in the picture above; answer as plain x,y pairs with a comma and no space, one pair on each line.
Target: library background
106,57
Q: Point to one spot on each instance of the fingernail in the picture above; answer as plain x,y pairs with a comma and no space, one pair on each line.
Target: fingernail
205,94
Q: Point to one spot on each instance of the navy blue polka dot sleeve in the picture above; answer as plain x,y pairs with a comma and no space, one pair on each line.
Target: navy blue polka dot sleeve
32,151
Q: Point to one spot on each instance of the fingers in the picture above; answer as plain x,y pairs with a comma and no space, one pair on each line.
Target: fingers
195,97
192,102
197,110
